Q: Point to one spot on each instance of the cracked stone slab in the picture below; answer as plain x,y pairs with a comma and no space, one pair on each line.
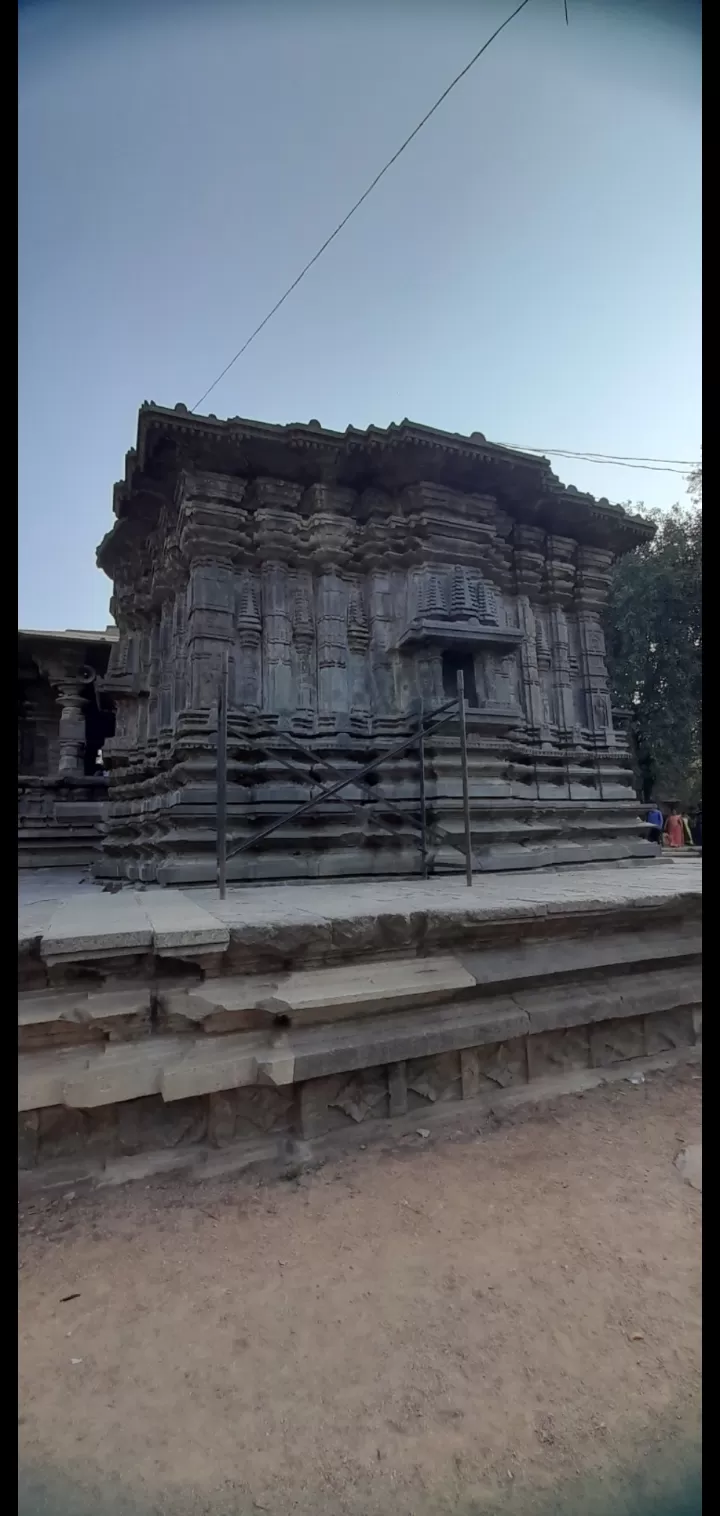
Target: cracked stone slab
363,987
88,926
211,1065
180,926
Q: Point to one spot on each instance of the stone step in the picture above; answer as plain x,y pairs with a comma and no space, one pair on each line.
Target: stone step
179,1067
247,1002
94,925
52,1016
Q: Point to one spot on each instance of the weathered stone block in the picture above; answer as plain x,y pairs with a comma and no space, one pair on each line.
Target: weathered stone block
559,1051
501,1066
28,1125
61,1132
363,988
330,1104
221,1118
617,1041
262,1110
470,1073
150,1122
669,1029
397,1089
434,1078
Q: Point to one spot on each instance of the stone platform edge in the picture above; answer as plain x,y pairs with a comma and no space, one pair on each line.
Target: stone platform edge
265,926
287,1157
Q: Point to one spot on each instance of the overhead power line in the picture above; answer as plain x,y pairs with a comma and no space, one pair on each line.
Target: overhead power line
359,202
654,465
567,452
613,460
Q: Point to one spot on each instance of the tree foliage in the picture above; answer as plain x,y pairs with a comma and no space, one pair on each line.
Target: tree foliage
654,641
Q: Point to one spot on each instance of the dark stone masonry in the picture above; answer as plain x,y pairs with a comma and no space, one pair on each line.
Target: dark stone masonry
348,578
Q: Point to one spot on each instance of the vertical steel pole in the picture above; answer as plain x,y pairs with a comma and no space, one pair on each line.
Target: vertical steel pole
423,800
465,785
221,778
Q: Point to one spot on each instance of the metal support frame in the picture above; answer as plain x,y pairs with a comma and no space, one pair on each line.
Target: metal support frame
221,831
423,798
465,783
433,722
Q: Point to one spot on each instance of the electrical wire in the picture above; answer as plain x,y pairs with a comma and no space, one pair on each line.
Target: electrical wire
656,466
588,453
359,202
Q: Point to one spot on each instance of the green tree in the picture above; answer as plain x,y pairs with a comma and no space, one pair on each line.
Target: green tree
654,640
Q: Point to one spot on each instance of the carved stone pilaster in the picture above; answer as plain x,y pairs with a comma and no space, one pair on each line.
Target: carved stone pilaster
179,671
332,643
248,662
330,533
210,532
278,526
358,642
559,588
154,676
593,582
382,629
304,644
278,692
528,563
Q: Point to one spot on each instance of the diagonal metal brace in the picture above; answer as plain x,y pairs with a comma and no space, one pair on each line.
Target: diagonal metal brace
437,833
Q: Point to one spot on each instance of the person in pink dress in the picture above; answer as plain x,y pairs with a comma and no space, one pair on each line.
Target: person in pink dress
674,829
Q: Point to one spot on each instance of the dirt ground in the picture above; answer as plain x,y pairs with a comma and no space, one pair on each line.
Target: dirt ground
471,1323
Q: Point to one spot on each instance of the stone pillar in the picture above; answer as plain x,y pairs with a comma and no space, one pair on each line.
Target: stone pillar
72,725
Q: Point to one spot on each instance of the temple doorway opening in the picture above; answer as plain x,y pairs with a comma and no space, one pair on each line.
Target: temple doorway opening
459,663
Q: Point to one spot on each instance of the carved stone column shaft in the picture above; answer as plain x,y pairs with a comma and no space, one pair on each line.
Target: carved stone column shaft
72,726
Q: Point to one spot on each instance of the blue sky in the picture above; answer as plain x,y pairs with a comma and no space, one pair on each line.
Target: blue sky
530,268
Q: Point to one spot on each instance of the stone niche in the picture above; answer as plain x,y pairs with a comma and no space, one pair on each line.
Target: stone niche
347,578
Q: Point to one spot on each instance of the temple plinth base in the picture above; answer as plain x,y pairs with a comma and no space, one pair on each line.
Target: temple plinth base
165,1029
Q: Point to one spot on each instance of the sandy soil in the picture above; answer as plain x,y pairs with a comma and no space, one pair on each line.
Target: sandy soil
448,1325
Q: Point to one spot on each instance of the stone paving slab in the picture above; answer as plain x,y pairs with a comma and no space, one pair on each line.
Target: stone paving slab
178,922
85,925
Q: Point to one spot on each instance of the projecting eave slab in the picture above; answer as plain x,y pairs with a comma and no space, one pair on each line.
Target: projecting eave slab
459,634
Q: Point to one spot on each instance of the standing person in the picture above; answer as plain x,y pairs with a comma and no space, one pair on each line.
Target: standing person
697,829
655,822
674,829
686,829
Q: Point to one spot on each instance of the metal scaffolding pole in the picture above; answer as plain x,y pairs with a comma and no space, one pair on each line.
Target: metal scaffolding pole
423,801
221,777
465,784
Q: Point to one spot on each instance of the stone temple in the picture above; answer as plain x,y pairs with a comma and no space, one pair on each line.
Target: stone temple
347,577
